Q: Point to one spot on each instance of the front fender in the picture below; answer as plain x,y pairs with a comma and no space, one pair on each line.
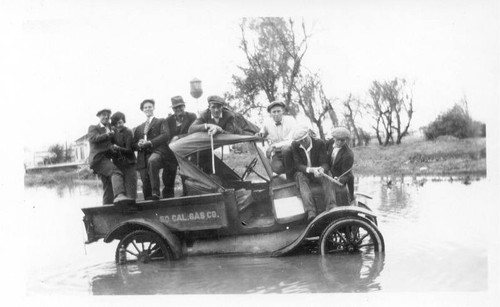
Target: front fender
316,226
124,228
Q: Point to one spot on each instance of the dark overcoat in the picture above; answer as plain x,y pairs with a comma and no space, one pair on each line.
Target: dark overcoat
226,122
317,155
344,160
100,144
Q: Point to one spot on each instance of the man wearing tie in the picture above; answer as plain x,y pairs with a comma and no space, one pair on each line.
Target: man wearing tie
151,144
278,130
100,137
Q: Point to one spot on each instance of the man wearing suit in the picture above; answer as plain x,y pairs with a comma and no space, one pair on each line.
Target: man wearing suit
151,144
100,137
310,161
178,124
215,119
341,160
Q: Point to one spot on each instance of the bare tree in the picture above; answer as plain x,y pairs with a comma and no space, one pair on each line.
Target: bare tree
313,102
392,110
400,98
274,50
352,110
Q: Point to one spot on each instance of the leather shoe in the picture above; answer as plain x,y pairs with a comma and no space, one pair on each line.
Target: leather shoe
122,199
155,197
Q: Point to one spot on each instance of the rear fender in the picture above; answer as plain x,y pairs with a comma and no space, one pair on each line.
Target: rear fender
124,228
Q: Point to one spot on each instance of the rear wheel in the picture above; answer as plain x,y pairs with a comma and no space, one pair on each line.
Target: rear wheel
142,246
351,235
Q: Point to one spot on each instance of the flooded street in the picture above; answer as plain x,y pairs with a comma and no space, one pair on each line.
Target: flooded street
437,235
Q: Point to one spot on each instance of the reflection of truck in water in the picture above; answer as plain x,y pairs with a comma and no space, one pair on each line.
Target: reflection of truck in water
241,208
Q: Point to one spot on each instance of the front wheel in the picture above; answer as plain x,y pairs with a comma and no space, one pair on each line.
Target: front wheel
351,235
142,246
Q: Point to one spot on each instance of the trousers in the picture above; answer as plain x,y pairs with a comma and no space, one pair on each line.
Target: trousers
150,176
111,178
304,181
129,178
282,162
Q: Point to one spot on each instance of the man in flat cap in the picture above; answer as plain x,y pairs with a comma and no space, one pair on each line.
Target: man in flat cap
278,130
341,160
151,143
178,124
101,151
310,161
216,119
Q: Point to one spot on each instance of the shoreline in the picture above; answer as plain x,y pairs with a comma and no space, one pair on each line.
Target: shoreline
415,157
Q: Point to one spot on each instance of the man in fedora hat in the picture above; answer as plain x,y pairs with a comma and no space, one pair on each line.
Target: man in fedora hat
101,151
216,119
178,124
151,144
310,161
278,130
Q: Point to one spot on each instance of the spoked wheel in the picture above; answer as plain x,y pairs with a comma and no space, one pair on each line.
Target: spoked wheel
351,235
143,246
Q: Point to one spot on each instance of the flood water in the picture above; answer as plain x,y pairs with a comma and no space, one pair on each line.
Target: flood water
437,235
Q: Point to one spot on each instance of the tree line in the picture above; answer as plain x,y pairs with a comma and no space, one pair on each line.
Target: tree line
275,48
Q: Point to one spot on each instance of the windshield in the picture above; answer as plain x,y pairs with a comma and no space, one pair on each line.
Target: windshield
238,157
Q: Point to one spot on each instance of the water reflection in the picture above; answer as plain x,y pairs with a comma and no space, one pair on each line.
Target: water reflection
436,239
250,274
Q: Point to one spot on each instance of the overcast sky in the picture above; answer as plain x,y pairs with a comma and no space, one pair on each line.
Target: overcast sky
76,57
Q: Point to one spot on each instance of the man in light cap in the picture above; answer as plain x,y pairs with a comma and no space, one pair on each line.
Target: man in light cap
215,119
310,161
341,160
278,130
178,124
101,151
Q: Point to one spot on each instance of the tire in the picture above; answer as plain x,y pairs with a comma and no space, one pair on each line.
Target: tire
351,235
143,246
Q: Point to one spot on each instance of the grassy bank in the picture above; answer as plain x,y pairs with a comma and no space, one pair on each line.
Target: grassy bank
61,177
416,156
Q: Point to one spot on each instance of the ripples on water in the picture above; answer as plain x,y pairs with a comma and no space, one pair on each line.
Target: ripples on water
436,236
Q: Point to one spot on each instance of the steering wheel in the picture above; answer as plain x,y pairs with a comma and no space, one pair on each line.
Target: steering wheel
249,168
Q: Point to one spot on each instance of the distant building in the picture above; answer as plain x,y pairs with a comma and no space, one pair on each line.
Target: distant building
81,149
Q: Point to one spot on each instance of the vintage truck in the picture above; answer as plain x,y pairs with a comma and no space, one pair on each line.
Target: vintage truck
240,208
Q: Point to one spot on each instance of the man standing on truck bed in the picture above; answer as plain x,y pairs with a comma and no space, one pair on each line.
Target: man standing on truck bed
178,124
151,144
100,137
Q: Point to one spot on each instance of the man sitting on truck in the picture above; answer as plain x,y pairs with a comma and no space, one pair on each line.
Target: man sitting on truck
216,119
278,130
100,137
311,161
